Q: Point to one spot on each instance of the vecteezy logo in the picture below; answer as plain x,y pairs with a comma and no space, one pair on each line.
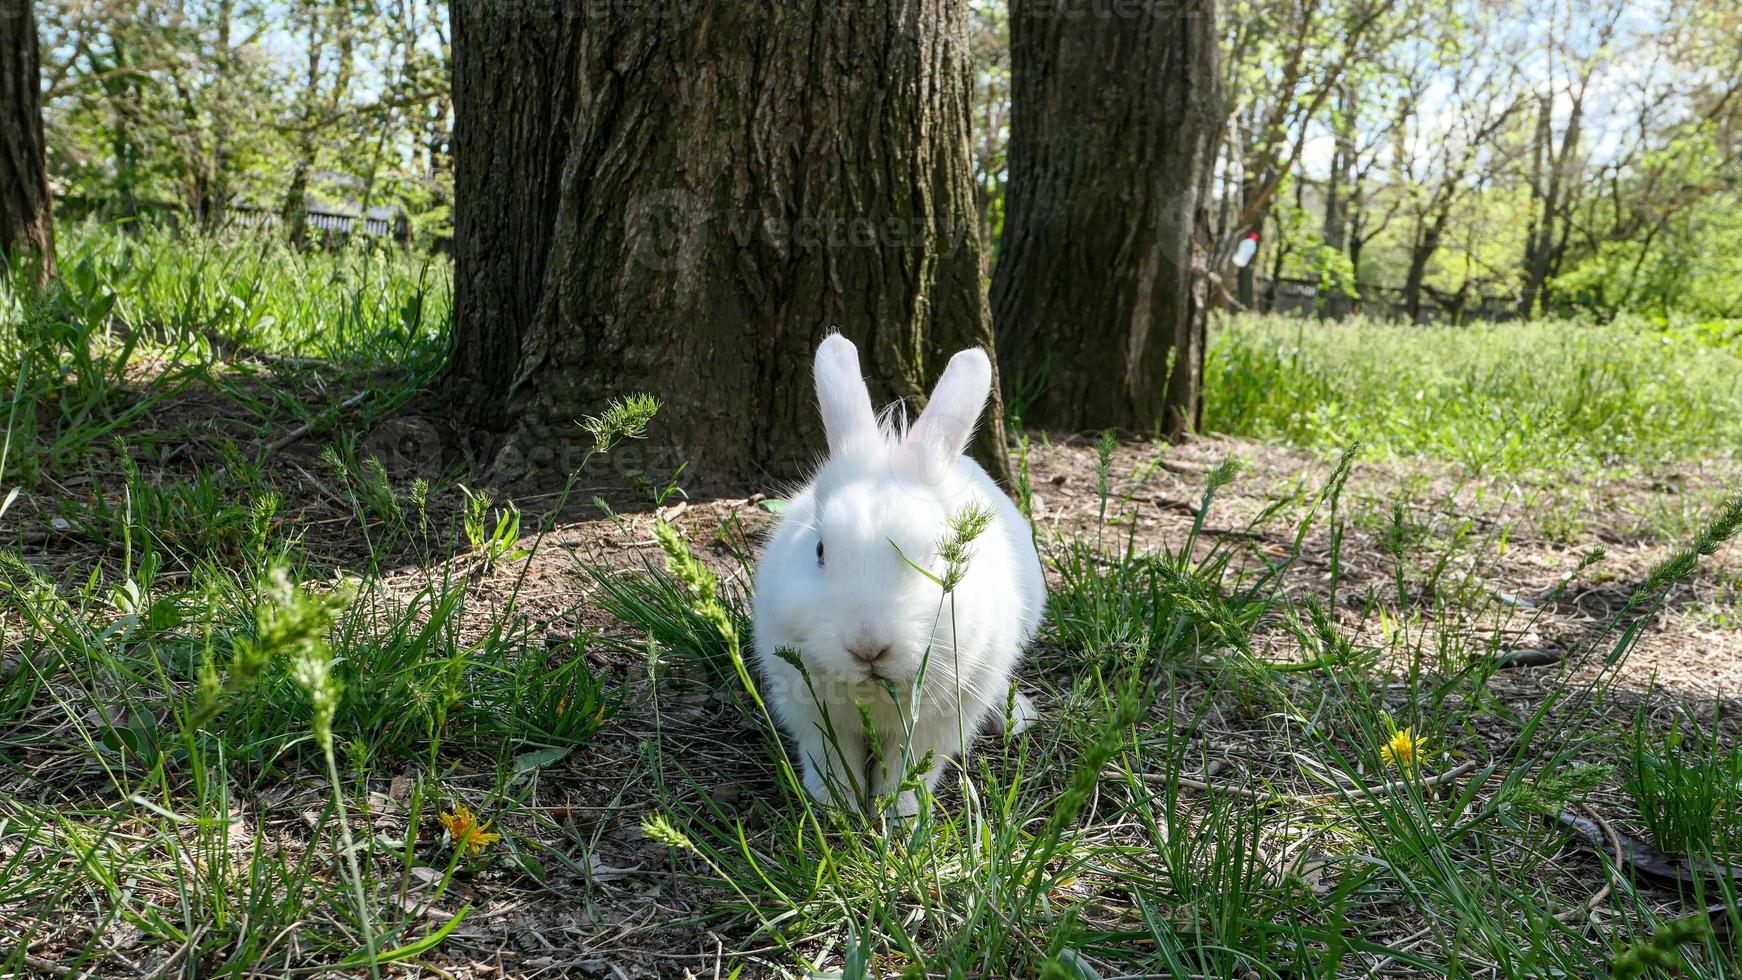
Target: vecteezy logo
925,469
407,446
662,230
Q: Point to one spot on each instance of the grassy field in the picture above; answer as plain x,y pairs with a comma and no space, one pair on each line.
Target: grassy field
284,693
1493,397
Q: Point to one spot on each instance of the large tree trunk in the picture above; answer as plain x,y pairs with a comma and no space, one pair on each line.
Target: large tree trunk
682,198
26,219
1099,295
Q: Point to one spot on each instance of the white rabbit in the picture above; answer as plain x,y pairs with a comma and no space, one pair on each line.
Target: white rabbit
839,588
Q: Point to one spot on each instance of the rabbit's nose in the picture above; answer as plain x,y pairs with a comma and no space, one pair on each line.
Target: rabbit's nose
870,652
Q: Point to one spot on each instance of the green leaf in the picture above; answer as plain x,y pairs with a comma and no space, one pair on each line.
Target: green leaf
528,761
418,948
1070,963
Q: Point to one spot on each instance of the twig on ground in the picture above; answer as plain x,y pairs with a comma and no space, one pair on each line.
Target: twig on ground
1179,466
1387,961
46,966
1457,772
1614,869
309,426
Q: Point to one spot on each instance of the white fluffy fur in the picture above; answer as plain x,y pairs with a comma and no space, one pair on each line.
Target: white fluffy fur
883,489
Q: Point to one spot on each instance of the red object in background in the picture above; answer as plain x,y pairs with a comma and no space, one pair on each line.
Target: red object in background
1245,250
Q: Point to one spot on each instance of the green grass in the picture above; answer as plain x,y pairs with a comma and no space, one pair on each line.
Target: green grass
139,321
1504,397
1022,877
1687,784
240,688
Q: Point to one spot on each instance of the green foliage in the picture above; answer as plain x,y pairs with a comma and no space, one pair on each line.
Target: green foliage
240,297
138,321
21,683
492,543
1688,267
664,608
1439,153
989,45
1548,795
206,514
211,112
1687,786
625,418
558,707
1185,606
1505,397
1661,951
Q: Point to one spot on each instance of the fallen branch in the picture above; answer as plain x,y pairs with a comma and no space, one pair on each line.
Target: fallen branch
1647,860
309,426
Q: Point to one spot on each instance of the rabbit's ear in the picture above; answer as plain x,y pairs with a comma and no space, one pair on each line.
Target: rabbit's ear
948,421
841,395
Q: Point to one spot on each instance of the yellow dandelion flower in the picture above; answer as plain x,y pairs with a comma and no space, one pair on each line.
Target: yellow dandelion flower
466,832
1402,750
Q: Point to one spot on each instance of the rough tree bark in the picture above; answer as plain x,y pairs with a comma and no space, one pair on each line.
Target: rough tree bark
26,219
1100,289
683,197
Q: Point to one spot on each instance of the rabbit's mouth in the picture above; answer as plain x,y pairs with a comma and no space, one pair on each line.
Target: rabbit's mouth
880,673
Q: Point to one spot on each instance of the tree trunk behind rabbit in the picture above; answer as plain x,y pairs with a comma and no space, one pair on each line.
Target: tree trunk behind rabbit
1099,293
682,198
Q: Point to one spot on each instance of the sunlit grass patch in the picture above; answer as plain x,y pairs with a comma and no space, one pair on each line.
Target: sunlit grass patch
1494,396
137,321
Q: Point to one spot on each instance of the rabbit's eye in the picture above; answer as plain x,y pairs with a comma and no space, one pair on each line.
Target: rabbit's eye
819,553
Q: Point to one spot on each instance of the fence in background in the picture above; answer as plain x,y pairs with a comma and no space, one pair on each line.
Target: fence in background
325,223
1303,297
